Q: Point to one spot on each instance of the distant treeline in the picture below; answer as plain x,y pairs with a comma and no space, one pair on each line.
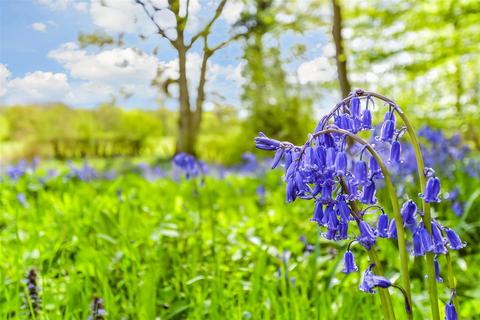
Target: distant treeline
64,132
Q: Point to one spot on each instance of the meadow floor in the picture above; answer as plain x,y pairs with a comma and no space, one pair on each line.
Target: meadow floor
181,250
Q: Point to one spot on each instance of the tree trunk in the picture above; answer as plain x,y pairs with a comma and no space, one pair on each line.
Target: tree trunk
340,55
187,133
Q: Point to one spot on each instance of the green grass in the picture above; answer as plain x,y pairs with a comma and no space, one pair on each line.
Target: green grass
169,250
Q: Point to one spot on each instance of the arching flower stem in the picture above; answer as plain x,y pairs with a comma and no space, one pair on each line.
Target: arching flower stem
385,298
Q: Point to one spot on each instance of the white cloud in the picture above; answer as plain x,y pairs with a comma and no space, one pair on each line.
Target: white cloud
91,77
55,4
318,70
107,73
4,75
232,10
115,66
81,6
39,26
37,87
119,16
62,5
129,17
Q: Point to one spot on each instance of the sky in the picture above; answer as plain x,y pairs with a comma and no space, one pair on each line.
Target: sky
42,62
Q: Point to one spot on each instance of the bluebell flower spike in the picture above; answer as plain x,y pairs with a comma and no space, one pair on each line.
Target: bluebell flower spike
450,312
432,190
382,225
368,236
371,281
454,240
349,265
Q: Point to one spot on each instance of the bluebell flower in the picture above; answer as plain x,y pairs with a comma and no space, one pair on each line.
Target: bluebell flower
321,156
370,281
278,156
309,159
345,123
352,189
418,249
382,225
450,312
390,115
360,172
437,269
368,196
330,234
341,163
332,220
188,164
327,190
366,119
408,212
262,142
395,150
454,240
355,106
349,265
288,159
438,240
432,190
375,170
342,232
327,140
387,131
342,208
330,158
368,236
426,238
317,212
392,229
356,125
291,192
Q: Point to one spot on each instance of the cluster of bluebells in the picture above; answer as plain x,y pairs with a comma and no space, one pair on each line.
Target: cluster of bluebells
341,178
440,151
21,168
191,166
324,170
150,173
183,165
84,173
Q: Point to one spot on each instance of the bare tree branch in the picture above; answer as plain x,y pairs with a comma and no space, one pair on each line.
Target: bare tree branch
226,42
151,16
186,10
206,29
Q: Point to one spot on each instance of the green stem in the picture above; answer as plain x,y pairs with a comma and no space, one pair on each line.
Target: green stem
452,284
385,297
402,246
427,217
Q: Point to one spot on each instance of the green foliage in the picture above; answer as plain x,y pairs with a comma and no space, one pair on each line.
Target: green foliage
192,252
424,53
274,105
